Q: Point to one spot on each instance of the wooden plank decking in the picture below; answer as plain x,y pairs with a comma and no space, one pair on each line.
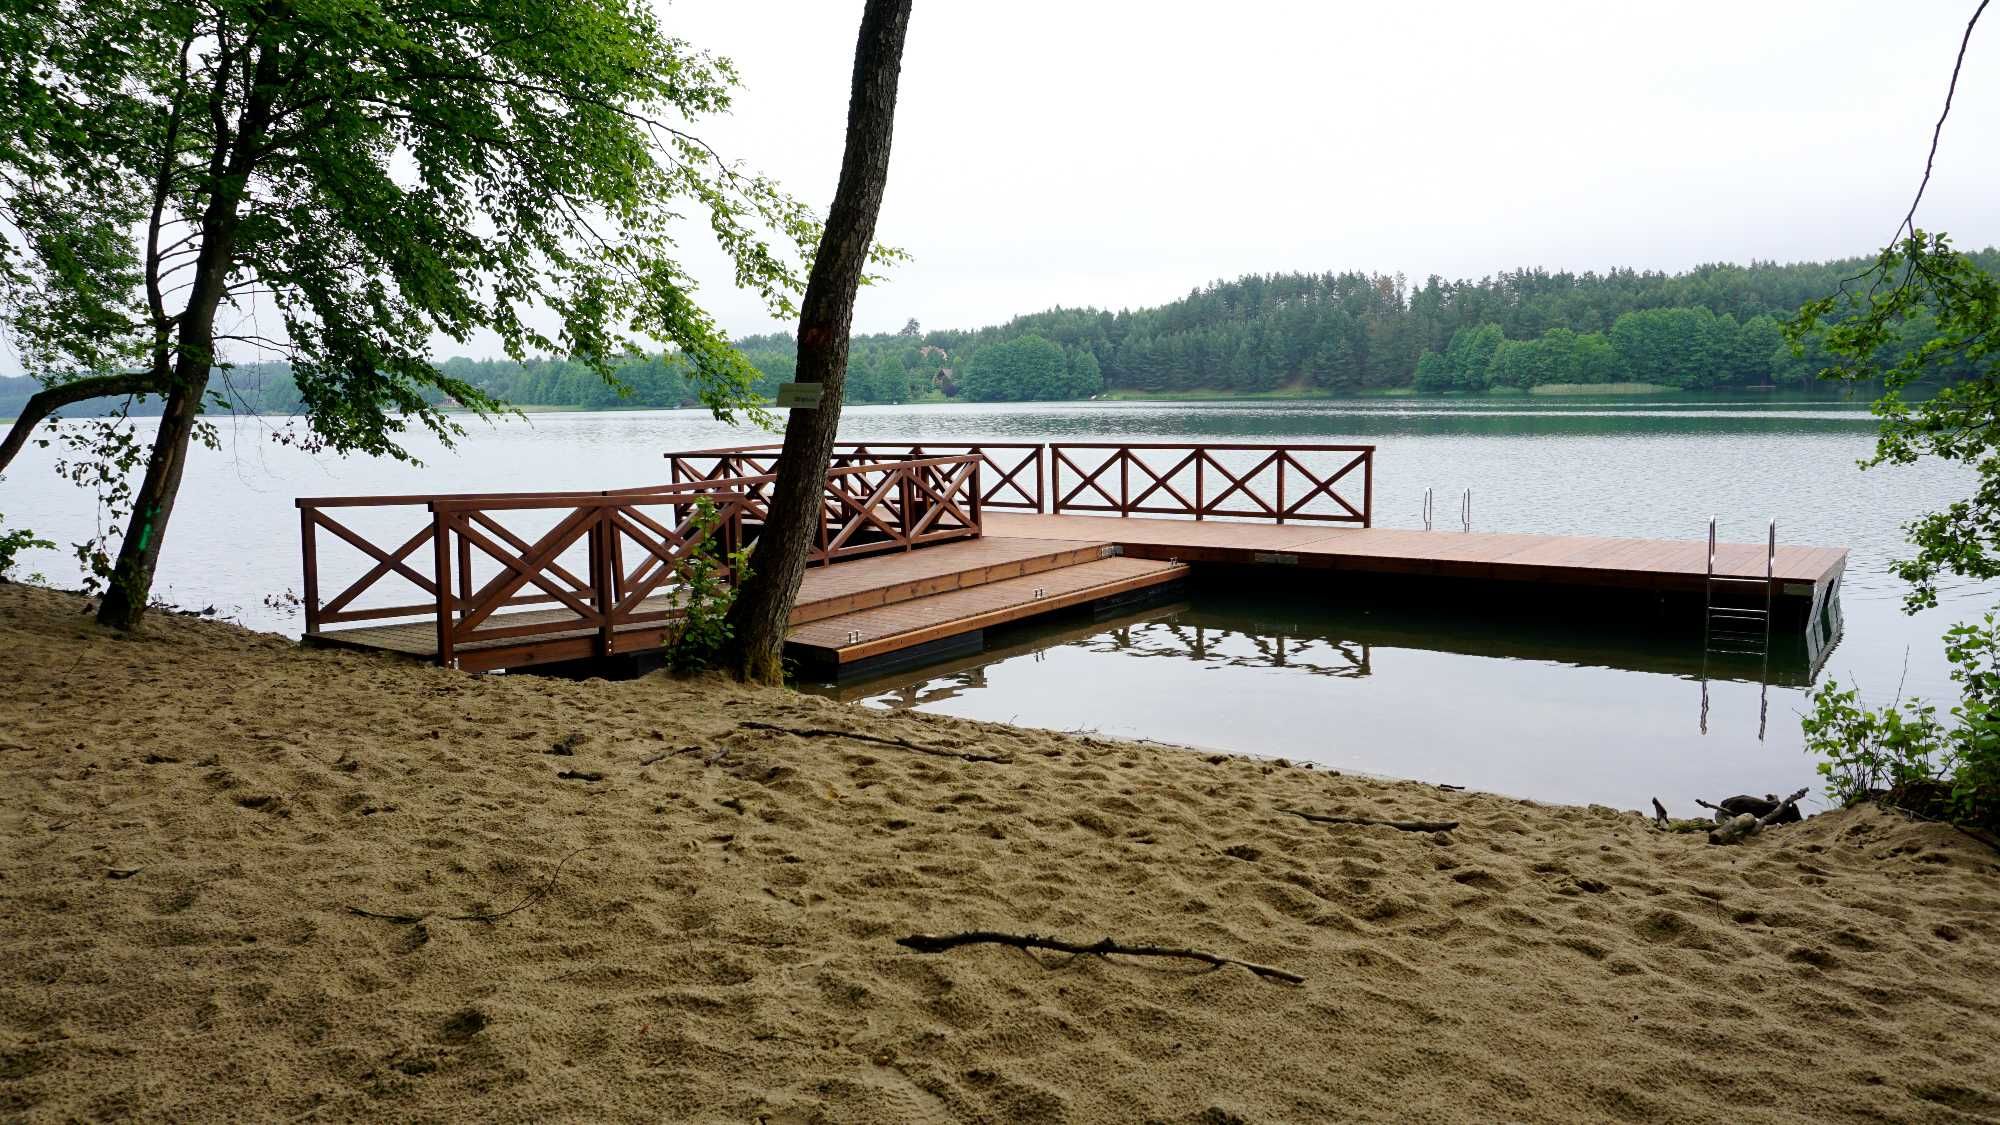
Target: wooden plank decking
876,632
827,592
1677,566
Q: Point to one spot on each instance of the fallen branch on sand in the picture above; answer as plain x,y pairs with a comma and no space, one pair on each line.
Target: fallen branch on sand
1733,807
398,919
1747,825
1400,825
938,943
856,736
532,899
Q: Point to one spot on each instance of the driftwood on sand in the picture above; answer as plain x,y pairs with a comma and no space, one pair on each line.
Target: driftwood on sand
1746,824
1756,806
1400,825
857,736
938,943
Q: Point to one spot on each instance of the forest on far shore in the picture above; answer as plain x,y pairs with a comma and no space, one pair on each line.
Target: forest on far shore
1712,327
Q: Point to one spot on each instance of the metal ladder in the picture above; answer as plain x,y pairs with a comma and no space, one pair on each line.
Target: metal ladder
1733,629
1464,509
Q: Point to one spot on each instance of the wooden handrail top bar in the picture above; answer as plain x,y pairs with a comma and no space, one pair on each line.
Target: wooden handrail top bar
767,448
698,490
472,499
1241,447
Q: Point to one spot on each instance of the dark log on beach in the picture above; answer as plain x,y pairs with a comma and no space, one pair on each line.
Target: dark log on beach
1400,825
938,943
1746,824
1744,804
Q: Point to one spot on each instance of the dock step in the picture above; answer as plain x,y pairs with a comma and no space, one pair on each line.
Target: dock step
867,633
831,591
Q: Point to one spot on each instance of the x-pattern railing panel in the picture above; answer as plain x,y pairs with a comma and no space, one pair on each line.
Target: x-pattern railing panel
1203,480
1011,476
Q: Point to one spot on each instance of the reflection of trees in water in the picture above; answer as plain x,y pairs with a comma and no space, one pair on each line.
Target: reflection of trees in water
1270,646
930,691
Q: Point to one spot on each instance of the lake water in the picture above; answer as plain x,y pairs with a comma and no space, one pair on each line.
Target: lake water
1493,700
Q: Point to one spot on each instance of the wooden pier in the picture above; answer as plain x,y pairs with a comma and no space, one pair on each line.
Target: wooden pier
920,549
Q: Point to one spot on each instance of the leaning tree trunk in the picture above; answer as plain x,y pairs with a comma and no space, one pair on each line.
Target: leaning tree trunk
131,582
763,606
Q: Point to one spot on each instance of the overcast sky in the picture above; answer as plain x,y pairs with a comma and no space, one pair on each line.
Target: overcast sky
1118,154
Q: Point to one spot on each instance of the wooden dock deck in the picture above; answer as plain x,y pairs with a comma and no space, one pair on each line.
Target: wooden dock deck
888,602
1664,565
922,549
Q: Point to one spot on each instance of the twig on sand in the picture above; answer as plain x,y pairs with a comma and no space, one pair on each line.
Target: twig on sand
1745,825
526,902
1401,825
938,943
856,736
398,919
532,899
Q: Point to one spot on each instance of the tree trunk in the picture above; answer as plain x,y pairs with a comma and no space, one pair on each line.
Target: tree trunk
763,606
132,581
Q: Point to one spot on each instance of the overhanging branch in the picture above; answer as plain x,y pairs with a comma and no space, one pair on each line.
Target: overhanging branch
50,399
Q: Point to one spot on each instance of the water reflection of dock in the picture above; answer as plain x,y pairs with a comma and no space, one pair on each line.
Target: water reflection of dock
1220,628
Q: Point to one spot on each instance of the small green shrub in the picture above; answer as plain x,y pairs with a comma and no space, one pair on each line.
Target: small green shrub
1904,755
12,543
707,582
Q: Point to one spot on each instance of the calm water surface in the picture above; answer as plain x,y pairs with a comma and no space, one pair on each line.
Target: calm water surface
1493,700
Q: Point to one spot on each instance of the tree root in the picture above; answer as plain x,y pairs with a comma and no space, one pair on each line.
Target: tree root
938,943
1400,825
856,736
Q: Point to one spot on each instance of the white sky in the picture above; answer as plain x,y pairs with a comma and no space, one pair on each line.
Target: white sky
1119,154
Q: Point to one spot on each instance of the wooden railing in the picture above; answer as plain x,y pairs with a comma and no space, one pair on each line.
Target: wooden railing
587,568
1325,483
1011,472
1274,482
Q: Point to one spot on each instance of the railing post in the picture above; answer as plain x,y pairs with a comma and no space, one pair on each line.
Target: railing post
1279,463
309,553
1041,487
1368,488
1200,481
978,501
1124,481
441,550
602,590
905,498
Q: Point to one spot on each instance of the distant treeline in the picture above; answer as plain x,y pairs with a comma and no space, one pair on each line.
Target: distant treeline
1715,326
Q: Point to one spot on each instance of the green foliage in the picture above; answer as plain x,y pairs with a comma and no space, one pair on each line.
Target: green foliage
706,582
1905,754
1025,368
12,543
1926,310
427,169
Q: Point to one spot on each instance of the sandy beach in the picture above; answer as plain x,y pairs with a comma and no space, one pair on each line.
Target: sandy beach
248,881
